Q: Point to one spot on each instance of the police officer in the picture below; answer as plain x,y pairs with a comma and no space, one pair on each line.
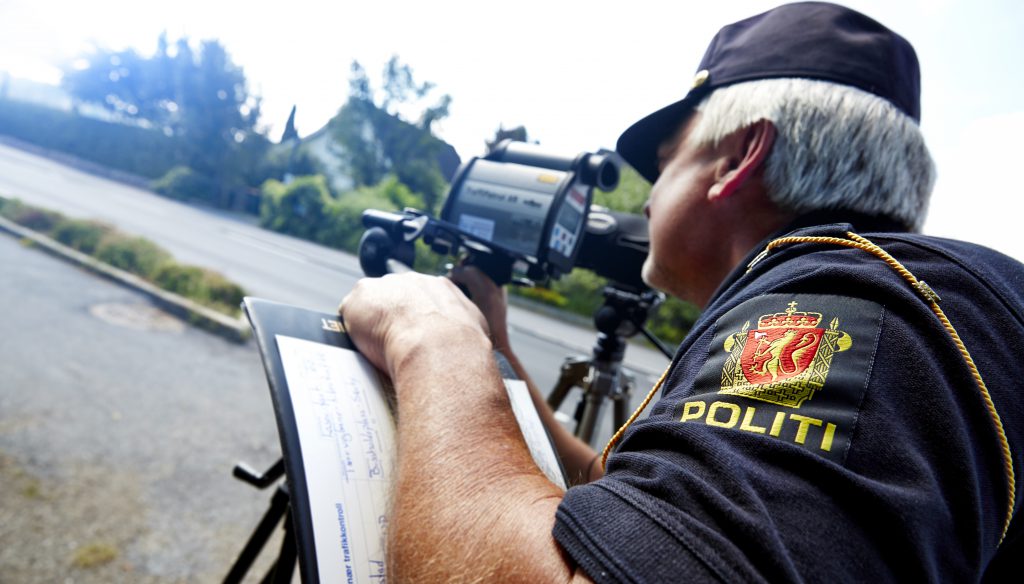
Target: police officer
846,406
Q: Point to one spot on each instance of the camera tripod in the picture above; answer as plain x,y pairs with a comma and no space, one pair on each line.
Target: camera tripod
280,508
601,377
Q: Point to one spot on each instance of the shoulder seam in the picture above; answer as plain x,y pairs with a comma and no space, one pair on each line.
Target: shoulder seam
960,264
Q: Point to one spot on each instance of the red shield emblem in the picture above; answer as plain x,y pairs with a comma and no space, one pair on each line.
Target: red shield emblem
776,354
785,360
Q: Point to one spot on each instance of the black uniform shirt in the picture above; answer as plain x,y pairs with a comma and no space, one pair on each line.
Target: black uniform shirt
820,424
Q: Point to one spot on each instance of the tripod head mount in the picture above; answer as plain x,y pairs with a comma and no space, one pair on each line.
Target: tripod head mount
625,310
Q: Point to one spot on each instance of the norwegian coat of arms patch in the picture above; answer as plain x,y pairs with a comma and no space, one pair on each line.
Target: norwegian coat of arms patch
785,360
799,375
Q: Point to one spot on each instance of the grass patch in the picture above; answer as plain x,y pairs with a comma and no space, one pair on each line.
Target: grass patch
92,555
32,489
132,254
24,483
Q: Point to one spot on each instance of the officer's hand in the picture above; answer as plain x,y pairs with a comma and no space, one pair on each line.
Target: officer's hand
491,299
390,317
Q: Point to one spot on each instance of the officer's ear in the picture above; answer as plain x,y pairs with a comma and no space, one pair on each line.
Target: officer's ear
741,155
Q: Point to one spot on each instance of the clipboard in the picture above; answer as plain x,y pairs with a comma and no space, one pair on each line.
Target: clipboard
270,319
335,421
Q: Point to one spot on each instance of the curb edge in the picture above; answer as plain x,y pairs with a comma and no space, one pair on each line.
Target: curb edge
233,329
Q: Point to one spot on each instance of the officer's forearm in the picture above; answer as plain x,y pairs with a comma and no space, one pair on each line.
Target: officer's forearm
469,504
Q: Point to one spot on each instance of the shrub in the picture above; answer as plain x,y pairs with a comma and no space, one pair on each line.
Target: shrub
582,290
133,254
296,208
343,217
306,208
184,280
545,295
84,236
222,292
428,262
286,159
673,320
630,194
400,195
183,183
204,286
31,217
136,255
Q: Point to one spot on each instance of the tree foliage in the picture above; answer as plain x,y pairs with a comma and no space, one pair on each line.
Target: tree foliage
376,139
305,208
401,92
120,147
290,133
194,93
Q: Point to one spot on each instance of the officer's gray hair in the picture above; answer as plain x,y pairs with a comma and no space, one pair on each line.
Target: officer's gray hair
837,147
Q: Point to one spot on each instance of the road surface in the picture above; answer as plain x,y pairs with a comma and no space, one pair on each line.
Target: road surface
119,426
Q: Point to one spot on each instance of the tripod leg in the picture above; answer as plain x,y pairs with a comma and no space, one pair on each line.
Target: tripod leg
259,537
572,374
284,567
621,410
591,416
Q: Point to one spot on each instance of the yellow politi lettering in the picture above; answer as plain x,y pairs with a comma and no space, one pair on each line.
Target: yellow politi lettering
748,421
805,422
692,411
744,416
826,441
734,415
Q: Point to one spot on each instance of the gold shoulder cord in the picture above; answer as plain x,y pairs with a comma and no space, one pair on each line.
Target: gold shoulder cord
932,299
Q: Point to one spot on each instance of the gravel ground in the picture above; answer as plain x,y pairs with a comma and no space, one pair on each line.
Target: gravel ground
119,426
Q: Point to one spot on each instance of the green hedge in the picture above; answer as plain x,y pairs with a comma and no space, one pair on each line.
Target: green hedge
147,153
296,208
28,216
204,286
306,208
85,236
132,254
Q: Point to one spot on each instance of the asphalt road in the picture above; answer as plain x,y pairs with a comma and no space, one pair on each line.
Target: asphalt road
119,426
271,265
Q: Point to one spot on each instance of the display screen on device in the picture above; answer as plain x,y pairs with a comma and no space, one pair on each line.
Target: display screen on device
569,223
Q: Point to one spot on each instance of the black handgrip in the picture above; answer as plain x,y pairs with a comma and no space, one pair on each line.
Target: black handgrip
379,253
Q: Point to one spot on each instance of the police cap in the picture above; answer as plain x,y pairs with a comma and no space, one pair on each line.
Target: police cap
813,40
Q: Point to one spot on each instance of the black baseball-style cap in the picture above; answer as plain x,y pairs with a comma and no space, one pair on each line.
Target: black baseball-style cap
811,40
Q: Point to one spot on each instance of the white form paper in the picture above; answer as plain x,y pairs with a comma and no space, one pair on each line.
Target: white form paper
533,431
347,435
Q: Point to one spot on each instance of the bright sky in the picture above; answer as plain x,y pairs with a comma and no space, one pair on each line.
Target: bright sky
575,73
